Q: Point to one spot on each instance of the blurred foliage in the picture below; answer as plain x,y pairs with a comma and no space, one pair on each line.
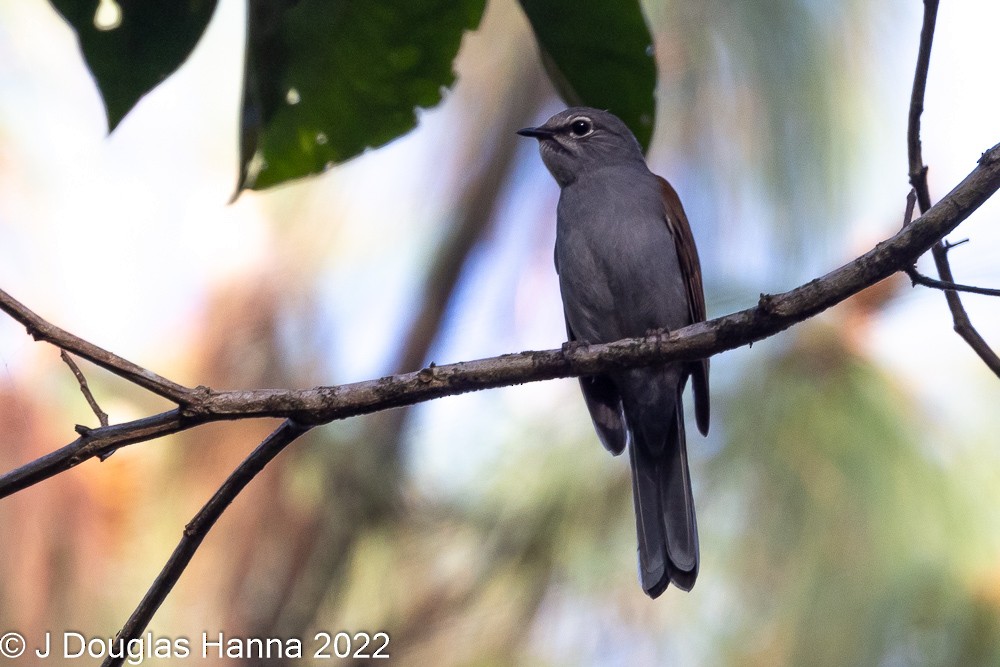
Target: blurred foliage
849,545
761,104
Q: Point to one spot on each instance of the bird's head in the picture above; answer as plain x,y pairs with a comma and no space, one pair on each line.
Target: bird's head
580,139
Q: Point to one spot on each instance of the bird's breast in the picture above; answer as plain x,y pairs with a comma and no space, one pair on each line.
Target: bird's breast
618,269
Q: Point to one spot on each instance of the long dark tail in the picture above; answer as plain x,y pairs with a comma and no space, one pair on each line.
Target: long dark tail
664,505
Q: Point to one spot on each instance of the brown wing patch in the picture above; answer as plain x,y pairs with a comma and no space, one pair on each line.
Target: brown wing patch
687,254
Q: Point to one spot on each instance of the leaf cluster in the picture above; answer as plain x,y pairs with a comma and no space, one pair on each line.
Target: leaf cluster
325,80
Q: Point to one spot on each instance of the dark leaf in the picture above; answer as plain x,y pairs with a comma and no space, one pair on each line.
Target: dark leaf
326,79
130,53
599,54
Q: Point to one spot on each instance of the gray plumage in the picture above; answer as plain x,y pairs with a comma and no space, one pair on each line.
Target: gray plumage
627,265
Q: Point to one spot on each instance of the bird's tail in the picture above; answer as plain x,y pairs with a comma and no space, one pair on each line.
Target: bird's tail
664,505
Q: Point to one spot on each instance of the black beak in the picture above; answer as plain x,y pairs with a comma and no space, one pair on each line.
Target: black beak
536,132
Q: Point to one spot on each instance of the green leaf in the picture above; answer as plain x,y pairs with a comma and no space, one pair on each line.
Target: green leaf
130,46
326,79
599,54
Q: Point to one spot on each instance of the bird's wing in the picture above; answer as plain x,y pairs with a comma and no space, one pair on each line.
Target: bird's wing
605,407
687,254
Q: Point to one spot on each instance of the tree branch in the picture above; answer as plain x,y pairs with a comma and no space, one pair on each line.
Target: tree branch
41,330
772,314
97,442
198,527
918,179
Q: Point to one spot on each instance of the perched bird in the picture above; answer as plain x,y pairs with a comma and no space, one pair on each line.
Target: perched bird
628,265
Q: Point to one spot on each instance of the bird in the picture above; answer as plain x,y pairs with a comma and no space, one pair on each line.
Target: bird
628,266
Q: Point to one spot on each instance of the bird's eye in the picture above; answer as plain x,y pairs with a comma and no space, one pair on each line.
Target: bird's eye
581,127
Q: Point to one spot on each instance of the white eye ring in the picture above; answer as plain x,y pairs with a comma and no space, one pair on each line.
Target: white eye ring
581,126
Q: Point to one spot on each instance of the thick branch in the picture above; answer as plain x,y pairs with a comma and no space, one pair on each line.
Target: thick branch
773,313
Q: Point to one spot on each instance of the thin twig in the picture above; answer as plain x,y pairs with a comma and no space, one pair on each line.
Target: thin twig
42,330
774,313
198,528
918,179
102,416
962,323
918,278
918,172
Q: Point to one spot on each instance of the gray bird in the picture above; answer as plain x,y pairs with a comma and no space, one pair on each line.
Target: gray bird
627,265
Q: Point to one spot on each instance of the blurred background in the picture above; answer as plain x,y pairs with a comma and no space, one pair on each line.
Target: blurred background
848,494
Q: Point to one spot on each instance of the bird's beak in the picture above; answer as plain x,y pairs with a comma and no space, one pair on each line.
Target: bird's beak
536,132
